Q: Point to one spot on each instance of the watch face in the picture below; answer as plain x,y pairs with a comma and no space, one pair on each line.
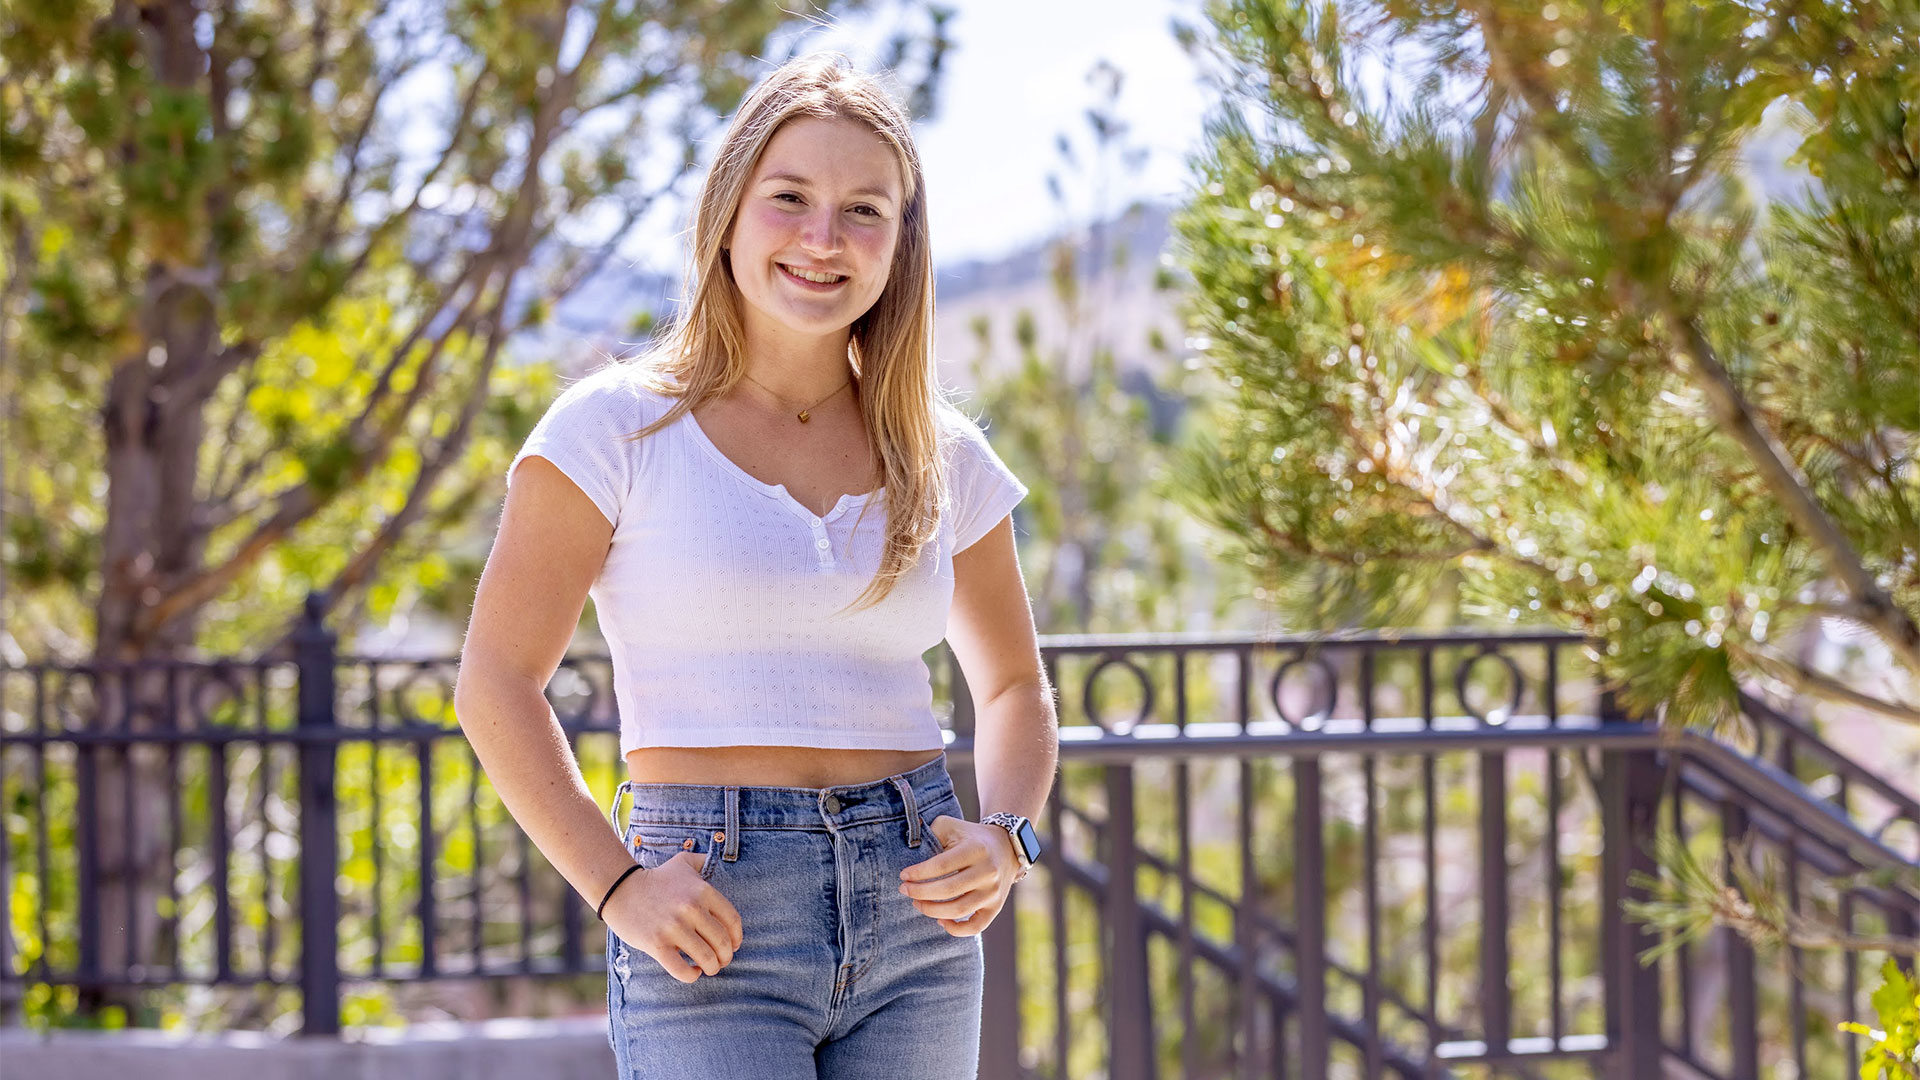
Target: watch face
1030,841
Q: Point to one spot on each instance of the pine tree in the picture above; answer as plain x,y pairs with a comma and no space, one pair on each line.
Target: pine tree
1500,309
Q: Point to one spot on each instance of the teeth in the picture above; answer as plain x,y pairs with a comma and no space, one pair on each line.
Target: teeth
808,275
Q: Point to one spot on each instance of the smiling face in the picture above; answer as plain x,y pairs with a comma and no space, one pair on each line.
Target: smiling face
813,241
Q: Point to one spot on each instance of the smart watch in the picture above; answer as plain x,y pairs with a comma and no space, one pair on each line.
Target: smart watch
1026,842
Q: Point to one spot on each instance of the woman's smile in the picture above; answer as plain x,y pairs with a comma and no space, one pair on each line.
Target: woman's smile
815,280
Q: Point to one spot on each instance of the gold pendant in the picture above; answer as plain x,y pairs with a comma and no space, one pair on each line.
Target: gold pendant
804,415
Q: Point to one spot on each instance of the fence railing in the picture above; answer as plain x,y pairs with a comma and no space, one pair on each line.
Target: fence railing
1386,855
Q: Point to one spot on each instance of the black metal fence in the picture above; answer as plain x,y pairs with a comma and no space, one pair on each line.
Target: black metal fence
1367,855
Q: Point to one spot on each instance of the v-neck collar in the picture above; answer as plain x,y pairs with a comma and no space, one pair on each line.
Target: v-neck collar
777,492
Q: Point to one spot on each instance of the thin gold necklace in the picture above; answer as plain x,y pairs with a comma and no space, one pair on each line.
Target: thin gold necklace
806,413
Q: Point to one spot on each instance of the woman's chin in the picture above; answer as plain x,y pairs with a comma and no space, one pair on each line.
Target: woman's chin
815,327
817,319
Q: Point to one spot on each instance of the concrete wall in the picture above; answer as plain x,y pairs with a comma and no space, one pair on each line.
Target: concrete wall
507,1049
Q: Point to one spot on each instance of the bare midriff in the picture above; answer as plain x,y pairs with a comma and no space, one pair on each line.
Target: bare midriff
770,766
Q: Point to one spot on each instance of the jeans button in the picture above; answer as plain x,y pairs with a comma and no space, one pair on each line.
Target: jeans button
833,804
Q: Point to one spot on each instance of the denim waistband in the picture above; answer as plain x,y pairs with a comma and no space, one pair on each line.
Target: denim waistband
751,807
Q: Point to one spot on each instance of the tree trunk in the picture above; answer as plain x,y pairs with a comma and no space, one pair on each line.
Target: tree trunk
153,539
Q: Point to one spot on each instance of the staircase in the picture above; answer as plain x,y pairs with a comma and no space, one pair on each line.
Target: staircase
1411,914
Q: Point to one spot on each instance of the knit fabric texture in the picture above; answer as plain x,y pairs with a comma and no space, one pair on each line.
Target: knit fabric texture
720,596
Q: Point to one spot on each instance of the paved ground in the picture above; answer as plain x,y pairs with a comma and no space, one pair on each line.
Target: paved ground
504,1049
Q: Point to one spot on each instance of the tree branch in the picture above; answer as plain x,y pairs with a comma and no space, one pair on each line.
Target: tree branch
361,567
1805,680
1783,477
220,490
334,210
301,501
198,382
1503,66
380,233
504,255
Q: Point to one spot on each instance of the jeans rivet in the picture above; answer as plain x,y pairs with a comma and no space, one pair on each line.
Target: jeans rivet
719,838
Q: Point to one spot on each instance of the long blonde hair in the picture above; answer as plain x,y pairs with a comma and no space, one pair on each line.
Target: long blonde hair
699,356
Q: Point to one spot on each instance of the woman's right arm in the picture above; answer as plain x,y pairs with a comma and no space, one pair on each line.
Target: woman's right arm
550,548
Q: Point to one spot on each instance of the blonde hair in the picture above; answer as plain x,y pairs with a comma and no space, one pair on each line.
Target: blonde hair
699,356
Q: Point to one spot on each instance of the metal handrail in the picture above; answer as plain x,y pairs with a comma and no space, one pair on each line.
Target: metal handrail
1821,833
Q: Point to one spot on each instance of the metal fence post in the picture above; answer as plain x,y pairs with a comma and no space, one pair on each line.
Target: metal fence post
1130,1032
11,991
1496,1002
1310,903
1905,922
1631,798
1000,1012
1743,990
313,651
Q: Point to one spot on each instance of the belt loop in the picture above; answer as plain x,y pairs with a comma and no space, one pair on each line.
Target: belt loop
913,810
733,825
613,808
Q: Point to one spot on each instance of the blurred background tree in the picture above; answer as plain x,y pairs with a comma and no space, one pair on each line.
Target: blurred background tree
261,263
1100,549
1504,315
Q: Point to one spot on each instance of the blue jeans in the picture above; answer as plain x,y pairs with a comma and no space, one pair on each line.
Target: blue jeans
837,976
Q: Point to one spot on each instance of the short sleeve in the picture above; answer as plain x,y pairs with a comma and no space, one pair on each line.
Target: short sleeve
581,434
981,489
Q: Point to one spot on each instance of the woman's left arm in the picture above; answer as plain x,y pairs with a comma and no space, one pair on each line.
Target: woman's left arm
1015,742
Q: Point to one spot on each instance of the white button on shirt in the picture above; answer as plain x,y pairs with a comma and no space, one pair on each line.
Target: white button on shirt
722,626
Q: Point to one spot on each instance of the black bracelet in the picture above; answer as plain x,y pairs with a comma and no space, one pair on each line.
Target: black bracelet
616,884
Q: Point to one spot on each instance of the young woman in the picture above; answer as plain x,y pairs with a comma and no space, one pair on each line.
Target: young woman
777,514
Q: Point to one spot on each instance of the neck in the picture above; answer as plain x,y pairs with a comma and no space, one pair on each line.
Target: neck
801,369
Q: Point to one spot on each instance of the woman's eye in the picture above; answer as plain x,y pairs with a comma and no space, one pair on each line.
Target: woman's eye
793,198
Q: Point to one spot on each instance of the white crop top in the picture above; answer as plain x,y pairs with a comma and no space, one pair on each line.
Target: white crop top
720,595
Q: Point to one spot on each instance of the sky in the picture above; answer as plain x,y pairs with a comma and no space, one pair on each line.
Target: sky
1015,79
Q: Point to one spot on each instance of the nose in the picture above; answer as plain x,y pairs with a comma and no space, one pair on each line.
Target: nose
820,232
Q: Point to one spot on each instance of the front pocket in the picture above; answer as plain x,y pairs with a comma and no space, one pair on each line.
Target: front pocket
946,806
653,845
940,809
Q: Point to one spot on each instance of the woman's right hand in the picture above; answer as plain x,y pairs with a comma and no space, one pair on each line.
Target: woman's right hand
669,909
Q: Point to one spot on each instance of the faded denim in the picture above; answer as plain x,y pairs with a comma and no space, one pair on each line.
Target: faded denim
837,977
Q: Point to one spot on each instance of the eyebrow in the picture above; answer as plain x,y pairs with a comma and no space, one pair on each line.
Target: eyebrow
790,178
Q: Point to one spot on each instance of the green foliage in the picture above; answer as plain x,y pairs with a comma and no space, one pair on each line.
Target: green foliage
1893,1049
1501,308
263,250
254,291
1098,547
1451,303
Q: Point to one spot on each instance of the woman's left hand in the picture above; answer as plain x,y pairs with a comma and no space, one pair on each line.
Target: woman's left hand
965,885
